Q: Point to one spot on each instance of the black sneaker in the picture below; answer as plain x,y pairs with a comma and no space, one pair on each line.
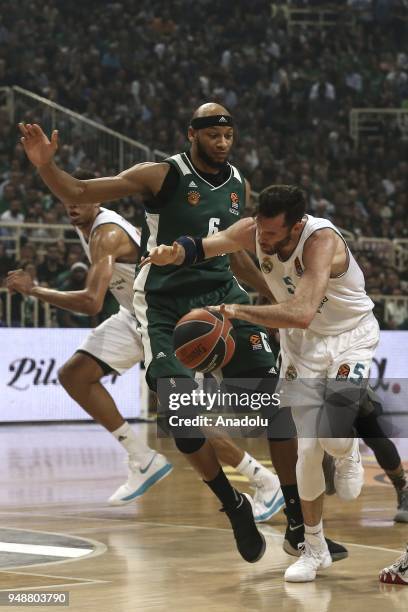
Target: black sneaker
402,512
250,542
295,535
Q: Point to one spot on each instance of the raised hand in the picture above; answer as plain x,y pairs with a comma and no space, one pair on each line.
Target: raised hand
164,255
20,281
39,149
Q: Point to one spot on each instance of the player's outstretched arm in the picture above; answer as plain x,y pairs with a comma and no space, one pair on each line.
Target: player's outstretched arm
145,178
186,249
300,309
104,244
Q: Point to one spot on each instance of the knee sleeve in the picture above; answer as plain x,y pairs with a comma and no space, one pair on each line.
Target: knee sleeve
337,447
189,445
309,469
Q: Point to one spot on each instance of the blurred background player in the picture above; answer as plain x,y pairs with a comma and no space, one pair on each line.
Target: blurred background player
372,432
112,246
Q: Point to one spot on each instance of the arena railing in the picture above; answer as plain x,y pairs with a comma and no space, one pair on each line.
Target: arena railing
401,253
377,123
28,312
35,233
116,151
316,17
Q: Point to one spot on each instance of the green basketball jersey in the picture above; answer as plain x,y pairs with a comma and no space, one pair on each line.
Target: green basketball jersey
199,209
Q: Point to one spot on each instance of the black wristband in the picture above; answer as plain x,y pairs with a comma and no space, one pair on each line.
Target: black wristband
190,250
193,249
200,249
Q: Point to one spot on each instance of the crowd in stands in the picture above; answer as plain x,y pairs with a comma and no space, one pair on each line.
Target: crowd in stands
141,68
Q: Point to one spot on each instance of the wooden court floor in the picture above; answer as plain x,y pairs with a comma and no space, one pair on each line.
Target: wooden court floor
172,550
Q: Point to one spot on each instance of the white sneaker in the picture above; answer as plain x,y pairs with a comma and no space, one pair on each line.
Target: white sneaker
140,479
268,497
397,573
311,559
349,474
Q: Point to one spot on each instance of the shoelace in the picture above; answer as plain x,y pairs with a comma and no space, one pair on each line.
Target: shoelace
349,462
401,564
308,552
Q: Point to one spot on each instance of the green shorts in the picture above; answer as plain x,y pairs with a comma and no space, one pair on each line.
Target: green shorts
158,315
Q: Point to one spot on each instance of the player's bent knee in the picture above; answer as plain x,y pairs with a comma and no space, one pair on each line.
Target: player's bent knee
309,474
337,447
187,446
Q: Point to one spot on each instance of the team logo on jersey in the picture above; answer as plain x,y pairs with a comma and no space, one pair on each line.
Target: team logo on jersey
298,267
234,199
343,372
193,198
256,341
291,373
234,203
266,265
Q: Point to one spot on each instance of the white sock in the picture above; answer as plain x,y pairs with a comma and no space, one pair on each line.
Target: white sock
251,468
314,535
131,442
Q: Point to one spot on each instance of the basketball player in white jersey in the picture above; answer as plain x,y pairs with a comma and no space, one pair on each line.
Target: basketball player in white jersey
327,328
112,246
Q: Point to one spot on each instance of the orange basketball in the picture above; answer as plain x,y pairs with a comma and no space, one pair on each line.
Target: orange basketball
204,340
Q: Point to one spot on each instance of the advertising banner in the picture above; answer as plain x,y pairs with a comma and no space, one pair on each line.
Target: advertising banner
29,387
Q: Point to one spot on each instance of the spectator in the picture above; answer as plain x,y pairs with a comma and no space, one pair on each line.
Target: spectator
13,214
396,313
6,263
51,266
290,91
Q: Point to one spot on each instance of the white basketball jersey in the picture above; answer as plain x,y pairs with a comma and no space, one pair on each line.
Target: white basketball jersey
121,284
345,303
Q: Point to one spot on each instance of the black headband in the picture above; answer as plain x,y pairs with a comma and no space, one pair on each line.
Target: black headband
199,123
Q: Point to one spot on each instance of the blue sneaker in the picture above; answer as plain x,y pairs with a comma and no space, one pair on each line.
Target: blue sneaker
140,479
268,498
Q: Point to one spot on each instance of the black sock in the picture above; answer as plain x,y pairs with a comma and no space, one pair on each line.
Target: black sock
222,488
293,507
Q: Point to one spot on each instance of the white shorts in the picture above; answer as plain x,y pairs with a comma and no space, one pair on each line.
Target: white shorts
116,342
310,359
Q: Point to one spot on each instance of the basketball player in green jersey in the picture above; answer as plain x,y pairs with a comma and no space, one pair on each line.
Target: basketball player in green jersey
197,193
